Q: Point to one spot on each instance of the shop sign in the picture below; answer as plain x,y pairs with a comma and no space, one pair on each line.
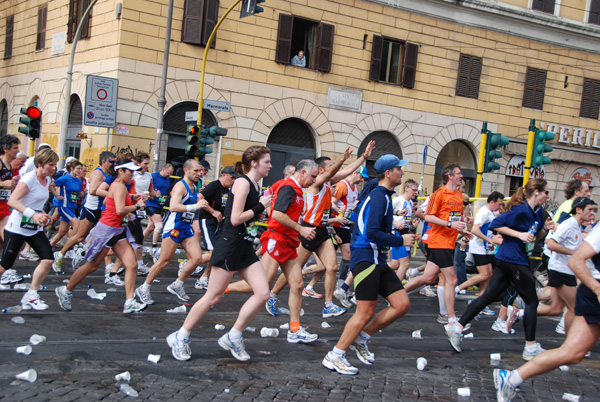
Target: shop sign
516,168
584,175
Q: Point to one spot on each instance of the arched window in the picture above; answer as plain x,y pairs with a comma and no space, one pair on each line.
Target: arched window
75,126
459,152
385,143
3,117
290,141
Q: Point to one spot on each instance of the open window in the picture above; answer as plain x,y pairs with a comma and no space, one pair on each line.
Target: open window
393,61
199,20
76,10
545,6
314,38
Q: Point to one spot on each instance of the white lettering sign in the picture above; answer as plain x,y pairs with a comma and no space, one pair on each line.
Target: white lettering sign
346,99
573,135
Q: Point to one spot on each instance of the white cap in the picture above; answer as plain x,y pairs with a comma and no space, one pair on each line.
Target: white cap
69,159
43,144
129,166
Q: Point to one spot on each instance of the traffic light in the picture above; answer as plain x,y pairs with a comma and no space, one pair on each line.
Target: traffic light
205,140
540,147
492,152
249,7
192,139
215,131
31,121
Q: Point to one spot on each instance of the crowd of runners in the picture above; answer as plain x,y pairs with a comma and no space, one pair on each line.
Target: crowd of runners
314,212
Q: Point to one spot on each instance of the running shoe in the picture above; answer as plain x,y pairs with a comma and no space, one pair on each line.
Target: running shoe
28,255
342,297
155,254
512,318
271,306
181,265
339,364
333,311
113,280
179,349
560,328
144,295
201,283
353,300
427,291
143,269
132,306
519,303
442,319
199,269
108,268
34,302
9,277
236,348
501,326
301,336
458,291
58,262
178,291
454,336
64,297
487,311
78,257
361,347
506,392
311,293
531,353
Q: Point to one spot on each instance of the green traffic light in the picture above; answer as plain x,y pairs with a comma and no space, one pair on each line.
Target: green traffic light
492,152
540,148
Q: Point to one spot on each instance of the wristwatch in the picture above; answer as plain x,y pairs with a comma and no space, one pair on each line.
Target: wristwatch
449,224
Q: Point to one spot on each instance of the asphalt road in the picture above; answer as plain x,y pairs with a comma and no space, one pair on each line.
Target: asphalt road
87,347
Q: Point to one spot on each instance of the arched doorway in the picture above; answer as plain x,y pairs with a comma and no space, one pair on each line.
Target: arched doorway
459,152
74,126
290,141
175,123
385,143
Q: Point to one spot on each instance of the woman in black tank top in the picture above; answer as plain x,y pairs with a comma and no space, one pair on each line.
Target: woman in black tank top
233,252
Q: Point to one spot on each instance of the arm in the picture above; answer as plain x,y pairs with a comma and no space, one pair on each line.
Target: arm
177,194
102,190
345,172
476,230
240,190
441,222
327,176
525,236
96,179
119,193
14,202
375,221
580,269
554,246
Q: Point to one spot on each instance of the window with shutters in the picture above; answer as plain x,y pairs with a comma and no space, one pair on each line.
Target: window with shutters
76,10
199,20
594,15
393,61
8,41
469,74
535,85
545,6
41,27
590,99
314,38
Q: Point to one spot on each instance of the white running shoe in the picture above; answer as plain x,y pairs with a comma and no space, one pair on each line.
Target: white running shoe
529,354
361,347
143,269
34,302
58,262
132,306
427,291
113,280
178,291
155,254
64,297
28,255
339,364
342,297
301,336
237,349
201,283
180,349
144,295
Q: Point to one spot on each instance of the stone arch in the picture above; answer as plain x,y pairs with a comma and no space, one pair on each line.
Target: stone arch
467,133
390,123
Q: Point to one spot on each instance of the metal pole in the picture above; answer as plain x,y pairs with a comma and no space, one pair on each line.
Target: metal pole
529,154
162,101
480,162
62,144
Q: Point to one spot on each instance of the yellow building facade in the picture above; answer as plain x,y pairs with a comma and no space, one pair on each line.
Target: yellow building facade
413,75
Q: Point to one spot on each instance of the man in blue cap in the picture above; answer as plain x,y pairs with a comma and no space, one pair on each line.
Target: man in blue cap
372,276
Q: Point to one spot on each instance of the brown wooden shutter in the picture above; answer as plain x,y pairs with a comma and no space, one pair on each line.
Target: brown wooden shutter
41,29
8,44
462,82
376,55
410,65
85,30
193,14
284,39
72,21
590,99
211,17
535,85
540,89
474,78
325,47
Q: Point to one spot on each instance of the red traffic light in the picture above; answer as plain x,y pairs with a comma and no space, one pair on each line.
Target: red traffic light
194,130
34,112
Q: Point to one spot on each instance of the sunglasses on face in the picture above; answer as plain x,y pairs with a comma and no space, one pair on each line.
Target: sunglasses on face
466,203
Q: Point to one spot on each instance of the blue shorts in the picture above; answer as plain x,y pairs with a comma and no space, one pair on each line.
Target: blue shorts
179,235
66,214
399,252
91,215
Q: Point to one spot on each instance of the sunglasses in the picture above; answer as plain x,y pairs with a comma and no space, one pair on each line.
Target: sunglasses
112,162
466,203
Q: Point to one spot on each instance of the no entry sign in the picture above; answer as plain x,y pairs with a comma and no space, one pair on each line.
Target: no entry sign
101,101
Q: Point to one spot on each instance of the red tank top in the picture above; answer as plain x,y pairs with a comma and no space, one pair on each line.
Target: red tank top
109,215
278,231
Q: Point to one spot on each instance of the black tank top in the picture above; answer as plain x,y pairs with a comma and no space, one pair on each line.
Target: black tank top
252,199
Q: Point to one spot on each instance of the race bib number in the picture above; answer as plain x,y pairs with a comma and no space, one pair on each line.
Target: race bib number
187,217
141,214
124,221
73,196
529,248
325,217
5,194
224,199
162,201
455,216
28,223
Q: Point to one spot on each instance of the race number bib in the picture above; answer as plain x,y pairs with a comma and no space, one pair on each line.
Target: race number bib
124,221
162,200
73,196
141,214
325,217
28,223
529,248
187,217
224,199
455,216
5,194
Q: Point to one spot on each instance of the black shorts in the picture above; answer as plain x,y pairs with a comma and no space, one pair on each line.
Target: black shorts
135,227
321,236
557,279
153,211
371,280
91,215
587,305
233,253
13,243
115,239
442,257
344,234
482,259
211,231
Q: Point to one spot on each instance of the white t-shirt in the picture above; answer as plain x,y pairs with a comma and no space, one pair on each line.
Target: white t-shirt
567,235
34,199
399,204
142,182
593,239
483,217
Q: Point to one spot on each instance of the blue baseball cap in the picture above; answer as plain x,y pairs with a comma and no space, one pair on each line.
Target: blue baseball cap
362,170
388,162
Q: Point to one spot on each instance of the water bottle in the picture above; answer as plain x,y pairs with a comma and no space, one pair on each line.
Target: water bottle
12,310
127,390
533,229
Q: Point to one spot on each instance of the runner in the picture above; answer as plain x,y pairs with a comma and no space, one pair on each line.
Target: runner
519,228
403,215
573,189
9,148
142,185
26,223
178,231
585,328
111,232
154,206
372,275
233,253
69,186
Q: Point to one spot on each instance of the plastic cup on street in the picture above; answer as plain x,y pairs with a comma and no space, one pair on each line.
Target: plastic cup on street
469,335
495,356
466,391
421,363
180,309
269,332
219,327
97,296
571,397
285,326
124,376
154,358
18,320
417,334
29,375
564,368
325,325
37,339
24,350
